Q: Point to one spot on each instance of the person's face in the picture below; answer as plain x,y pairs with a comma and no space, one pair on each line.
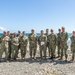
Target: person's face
8,33
5,33
42,33
51,32
63,29
47,31
32,31
23,34
14,35
19,32
73,33
59,31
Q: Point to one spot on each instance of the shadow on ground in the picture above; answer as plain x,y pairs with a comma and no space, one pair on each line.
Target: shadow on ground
40,61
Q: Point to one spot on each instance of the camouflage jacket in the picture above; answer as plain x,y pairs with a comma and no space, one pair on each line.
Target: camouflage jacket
42,39
52,39
72,41
33,38
23,40
64,37
15,41
5,41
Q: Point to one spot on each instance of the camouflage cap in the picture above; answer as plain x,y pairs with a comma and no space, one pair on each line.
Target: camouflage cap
73,31
51,30
32,29
14,33
4,32
47,29
19,31
63,27
23,32
59,29
41,30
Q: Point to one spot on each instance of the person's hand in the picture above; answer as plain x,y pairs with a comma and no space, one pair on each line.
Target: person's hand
17,44
33,42
24,45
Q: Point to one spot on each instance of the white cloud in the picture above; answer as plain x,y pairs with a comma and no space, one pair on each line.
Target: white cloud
3,29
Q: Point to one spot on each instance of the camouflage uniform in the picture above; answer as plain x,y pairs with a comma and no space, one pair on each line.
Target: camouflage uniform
1,51
63,43
58,43
23,45
8,34
52,44
9,48
15,44
33,38
42,42
47,45
18,36
73,46
5,45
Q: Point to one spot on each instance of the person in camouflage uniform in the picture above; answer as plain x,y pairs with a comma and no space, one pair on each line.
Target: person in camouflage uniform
1,48
15,44
63,43
33,38
73,45
52,43
23,45
42,43
5,45
58,42
18,35
47,45
8,34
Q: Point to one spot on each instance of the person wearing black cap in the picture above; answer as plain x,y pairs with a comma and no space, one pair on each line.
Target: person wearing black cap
47,45
58,42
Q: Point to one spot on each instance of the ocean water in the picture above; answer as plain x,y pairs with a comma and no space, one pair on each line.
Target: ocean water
68,42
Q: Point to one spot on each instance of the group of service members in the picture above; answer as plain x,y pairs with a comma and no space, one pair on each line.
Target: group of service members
12,43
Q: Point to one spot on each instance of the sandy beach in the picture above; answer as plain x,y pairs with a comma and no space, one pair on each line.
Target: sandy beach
38,66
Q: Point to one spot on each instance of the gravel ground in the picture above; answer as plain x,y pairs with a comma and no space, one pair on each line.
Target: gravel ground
38,67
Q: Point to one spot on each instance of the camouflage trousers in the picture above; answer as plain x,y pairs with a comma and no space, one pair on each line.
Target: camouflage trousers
43,51
6,50
52,48
14,52
23,51
1,51
9,51
59,49
73,55
49,51
33,49
73,52
64,50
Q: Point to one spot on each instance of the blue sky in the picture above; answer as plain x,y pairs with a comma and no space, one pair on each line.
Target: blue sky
37,14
